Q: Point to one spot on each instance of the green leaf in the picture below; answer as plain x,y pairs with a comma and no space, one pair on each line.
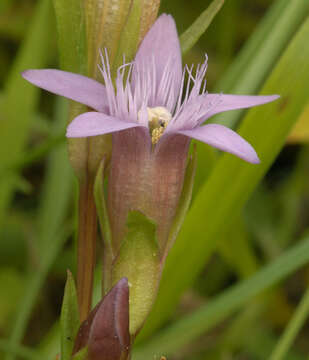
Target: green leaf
139,261
190,37
69,318
300,132
232,181
18,91
71,35
250,70
292,329
190,327
249,50
130,34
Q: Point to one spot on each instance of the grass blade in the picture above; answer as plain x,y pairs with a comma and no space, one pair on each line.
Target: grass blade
249,50
200,25
292,329
252,74
209,315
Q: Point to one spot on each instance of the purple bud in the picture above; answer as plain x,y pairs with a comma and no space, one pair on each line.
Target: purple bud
106,330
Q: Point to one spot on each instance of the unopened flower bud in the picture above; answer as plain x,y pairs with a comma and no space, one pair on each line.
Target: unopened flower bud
106,331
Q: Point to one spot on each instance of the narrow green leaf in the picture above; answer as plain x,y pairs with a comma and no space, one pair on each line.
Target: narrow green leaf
18,91
190,37
251,75
72,45
190,327
139,261
71,35
292,329
69,318
232,181
130,35
249,50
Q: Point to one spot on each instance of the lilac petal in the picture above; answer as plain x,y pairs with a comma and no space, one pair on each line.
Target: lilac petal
233,102
94,123
160,46
224,139
72,86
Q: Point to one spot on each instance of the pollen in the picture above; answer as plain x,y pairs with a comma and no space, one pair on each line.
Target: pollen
158,119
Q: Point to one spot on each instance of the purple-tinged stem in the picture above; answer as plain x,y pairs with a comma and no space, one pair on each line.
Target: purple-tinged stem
86,247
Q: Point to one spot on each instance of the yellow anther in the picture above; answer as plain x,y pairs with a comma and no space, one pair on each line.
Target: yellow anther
157,133
158,119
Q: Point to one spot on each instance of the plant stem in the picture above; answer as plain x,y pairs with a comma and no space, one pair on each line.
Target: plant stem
86,247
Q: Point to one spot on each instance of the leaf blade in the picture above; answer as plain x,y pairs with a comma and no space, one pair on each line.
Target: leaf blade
189,38
251,75
69,318
207,316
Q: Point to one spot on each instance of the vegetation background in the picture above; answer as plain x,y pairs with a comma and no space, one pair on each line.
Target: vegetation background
235,285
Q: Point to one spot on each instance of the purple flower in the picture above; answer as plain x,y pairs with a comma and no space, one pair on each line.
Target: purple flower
151,94
153,114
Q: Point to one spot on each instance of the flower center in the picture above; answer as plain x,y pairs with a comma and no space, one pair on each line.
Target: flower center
158,119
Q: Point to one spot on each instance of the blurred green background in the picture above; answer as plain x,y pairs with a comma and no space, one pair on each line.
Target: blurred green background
235,283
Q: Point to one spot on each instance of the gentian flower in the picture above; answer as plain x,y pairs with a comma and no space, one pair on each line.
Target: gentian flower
156,99
152,113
